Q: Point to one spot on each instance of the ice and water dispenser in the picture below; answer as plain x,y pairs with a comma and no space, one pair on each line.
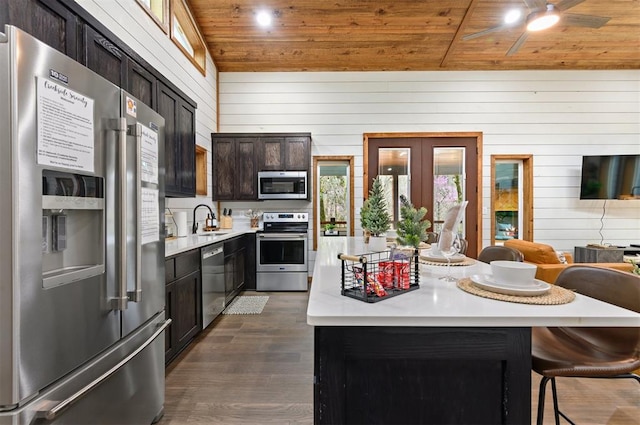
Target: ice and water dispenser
73,227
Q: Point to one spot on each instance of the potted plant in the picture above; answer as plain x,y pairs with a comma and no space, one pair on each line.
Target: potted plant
374,217
412,229
330,229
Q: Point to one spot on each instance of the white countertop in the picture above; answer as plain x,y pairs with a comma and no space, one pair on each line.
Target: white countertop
440,303
193,241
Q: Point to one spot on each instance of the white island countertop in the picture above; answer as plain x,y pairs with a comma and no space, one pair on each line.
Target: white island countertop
192,241
440,303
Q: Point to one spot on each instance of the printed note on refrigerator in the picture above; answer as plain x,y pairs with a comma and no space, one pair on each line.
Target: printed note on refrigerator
64,127
149,155
149,216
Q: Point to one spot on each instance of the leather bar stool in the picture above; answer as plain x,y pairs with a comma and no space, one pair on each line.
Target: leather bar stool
497,252
589,352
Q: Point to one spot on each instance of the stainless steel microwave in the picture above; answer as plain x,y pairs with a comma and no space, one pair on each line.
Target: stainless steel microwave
282,185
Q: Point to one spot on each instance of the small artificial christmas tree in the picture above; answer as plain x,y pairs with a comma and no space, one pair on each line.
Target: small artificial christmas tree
374,216
412,229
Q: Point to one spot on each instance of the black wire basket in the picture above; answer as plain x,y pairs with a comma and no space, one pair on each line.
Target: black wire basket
378,276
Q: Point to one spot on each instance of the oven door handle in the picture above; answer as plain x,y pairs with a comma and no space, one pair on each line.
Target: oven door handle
282,236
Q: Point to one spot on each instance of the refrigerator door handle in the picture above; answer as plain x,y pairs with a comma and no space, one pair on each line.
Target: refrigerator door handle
120,301
136,294
55,411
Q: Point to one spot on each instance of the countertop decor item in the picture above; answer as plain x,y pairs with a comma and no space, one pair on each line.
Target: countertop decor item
412,229
254,216
374,216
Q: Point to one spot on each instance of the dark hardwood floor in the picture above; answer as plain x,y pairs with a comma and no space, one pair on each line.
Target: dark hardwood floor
258,369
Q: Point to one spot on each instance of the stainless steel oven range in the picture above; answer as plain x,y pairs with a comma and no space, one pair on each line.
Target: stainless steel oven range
282,252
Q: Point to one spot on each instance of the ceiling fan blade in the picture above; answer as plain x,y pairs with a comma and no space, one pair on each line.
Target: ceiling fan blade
590,21
488,31
567,4
519,42
536,4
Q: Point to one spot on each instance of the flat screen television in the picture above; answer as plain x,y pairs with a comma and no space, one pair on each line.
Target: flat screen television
610,177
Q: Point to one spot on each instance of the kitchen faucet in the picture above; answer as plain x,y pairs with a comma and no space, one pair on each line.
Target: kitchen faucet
194,227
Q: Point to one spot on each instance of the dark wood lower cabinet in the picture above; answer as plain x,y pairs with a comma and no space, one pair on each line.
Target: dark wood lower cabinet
235,259
403,375
183,301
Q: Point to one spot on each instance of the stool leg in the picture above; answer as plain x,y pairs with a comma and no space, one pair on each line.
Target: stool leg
543,388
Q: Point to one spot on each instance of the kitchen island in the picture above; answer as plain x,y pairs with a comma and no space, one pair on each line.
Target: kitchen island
433,355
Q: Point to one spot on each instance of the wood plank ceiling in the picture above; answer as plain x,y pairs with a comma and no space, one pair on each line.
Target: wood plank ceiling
412,35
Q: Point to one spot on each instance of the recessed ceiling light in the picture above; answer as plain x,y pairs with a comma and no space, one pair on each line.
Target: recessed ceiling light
512,16
264,18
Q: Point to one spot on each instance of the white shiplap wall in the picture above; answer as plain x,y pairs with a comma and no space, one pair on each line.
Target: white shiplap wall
129,22
557,116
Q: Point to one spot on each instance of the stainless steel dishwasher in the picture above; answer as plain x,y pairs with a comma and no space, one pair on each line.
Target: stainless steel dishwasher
212,282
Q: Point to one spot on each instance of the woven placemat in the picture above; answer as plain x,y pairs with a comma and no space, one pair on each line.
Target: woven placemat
466,262
556,295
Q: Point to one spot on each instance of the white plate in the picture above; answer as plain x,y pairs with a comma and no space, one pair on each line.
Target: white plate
427,255
486,281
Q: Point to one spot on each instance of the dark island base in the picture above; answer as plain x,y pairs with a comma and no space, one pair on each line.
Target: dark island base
400,375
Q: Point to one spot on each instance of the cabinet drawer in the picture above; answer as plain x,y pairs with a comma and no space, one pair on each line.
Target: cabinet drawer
187,263
169,270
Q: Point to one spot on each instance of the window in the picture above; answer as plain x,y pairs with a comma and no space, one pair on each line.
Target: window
186,36
159,12
511,198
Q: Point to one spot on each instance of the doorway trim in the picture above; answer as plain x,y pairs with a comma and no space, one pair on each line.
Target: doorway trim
316,219
527,193
463,134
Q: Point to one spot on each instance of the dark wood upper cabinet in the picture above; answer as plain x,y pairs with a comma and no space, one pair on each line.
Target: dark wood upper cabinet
297,153
186,134
142,84
46,20
246,177
234,168
180,146
238,157
66,26
271,154
290,152
104,58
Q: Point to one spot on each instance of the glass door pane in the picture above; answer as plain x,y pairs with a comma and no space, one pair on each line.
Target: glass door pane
394,171
508,200
334,201
448,183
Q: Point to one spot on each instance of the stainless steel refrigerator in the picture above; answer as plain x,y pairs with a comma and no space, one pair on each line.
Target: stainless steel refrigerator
81,244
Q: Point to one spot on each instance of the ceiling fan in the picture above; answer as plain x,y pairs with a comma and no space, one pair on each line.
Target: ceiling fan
543,15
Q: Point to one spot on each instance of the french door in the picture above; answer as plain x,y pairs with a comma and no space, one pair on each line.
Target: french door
434,171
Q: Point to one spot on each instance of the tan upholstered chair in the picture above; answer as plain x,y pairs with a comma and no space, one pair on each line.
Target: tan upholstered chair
589,352
546,258
497,252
